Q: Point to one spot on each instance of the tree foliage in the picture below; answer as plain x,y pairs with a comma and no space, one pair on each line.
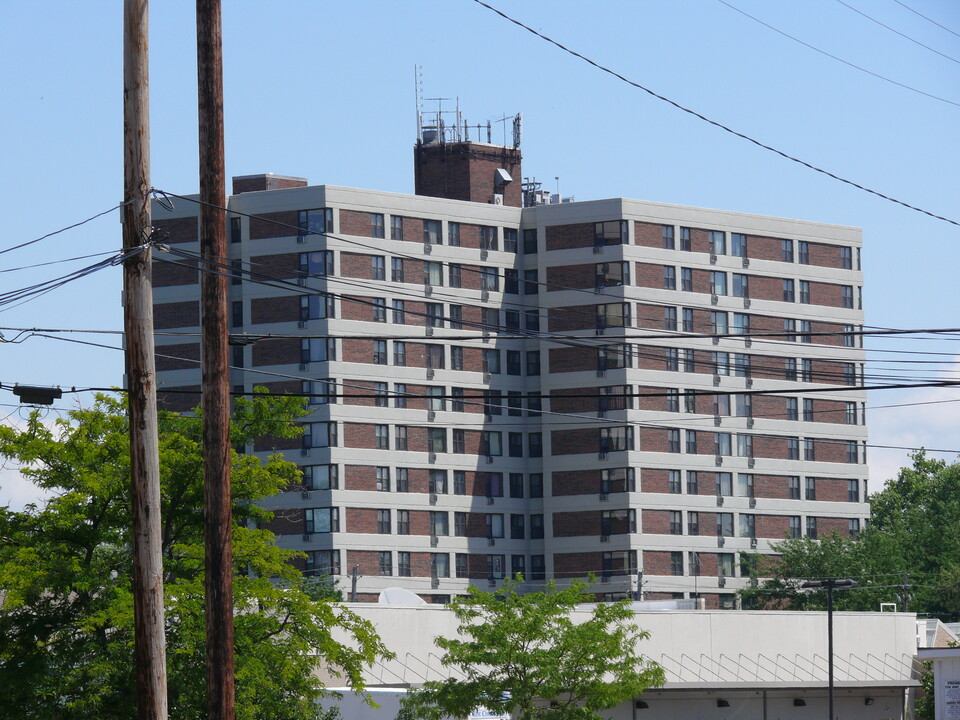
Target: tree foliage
66,620
912,534
515,649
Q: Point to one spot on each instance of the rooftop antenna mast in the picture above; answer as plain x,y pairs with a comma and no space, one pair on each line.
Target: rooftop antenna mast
418,90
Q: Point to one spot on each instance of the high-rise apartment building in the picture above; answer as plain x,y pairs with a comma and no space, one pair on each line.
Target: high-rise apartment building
616,387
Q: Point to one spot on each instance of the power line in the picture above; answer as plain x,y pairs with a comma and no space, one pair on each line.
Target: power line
897,32
719,125
838,59
64,229
916,12
57,262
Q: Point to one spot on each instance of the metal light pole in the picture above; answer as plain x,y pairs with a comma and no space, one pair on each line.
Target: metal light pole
830,584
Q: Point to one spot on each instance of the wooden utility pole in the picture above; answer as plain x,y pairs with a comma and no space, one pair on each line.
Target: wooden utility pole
149,642
216,379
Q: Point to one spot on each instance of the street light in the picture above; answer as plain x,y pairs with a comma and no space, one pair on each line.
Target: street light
830,584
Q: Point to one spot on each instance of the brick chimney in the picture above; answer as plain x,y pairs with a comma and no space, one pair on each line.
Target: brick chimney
468,171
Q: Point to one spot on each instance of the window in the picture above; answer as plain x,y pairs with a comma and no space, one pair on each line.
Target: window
846,296
319,392
459,439
676,563
515,444
853,527
812,528
531,282
849,374
437,440
510,240
381,434
725,524
806,327
432,234
320,435
686,279
788,290
793,449
803,252
491,443
517,527
376,225
793,487
488,238
669,277
383,479
848,336
693,482
439,523
720,362
724,484
725,569
676,522
511,281
315,222
673,400
666,234
806,370
236,313
615,439
533,405
399,314
532,320
741,365
400,395
688,320
852,454
377,268
380,393
323,562
517,566
718,322
403,564
489,279
535,445
670,318
846,258
535,485
853,491
320,477
403,480
236,234
400,437
513,362
786,250
722,446
685,242
435,398
789,329
744,485
495,567
612,315
672,359
316,307
741,324
396,269
434,313
744,405
379,307
491,361
691,436
738,245
454,275
810,488
463,565
456,402
792,408
396,227
530,241
850,413
741,285
516,485
440,565
795,531
673,482
456,357
236,272
790,368
494,523
805,292
453,234
718,282
317,350
399,352
718,242
460,524
383,522
689,364
612,232
744,445
435,359
808,410
673,440
322,520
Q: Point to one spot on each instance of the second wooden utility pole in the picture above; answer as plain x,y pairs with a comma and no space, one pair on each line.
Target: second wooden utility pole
149,642
218,543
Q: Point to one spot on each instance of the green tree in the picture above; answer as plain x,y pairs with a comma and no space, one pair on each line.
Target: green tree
911,534
518,649
66,620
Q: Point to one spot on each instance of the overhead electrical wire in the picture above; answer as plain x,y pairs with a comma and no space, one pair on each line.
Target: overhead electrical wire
928,19
897,32
63,229
57,262
715,123
838,59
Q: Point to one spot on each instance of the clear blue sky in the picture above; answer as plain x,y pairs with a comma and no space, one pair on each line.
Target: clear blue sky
325,90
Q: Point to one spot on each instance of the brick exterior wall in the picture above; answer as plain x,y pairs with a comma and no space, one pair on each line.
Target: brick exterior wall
654,440
560,277
773,527
574,442
360,520
276,351
275,225
178,230
648,234
655,480
188,351
764,248
827,294
657,562
771,486
176,315
356,223
572,359
178,399
656,522
580,564
274,310
265,182
575,482
465,171
169,273
563,237
282,266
